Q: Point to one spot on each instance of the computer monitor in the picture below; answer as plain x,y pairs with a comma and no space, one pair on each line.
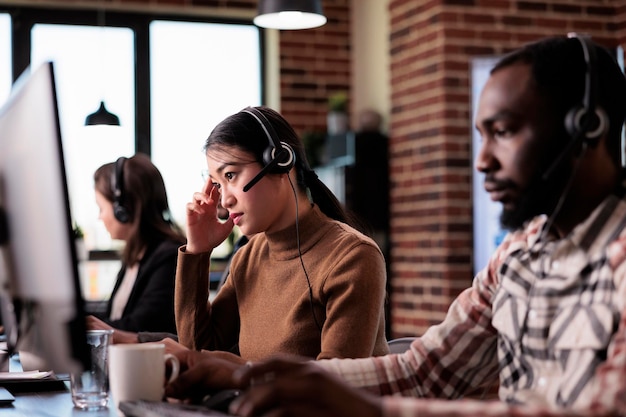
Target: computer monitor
41,302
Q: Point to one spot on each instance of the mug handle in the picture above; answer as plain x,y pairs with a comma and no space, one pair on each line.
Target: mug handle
175,365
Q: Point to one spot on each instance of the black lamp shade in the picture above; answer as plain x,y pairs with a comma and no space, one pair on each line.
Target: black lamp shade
290,14
102,117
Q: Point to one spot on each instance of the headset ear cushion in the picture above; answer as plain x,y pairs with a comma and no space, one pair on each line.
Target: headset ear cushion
120,213
285,163
290,161
268,155
575,118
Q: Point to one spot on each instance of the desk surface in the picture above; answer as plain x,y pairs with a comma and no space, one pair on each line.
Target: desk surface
52,404
49,404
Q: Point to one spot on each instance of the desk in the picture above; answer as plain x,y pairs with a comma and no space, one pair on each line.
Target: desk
50,404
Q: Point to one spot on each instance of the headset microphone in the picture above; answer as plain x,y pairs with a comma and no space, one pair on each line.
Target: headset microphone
279,157
267,168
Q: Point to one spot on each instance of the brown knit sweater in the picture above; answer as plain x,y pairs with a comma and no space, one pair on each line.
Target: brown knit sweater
265,308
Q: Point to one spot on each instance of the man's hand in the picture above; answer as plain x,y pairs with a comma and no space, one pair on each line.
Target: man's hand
292,387
202,373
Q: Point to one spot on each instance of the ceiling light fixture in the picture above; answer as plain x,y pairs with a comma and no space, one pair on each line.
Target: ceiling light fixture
101,116
290,14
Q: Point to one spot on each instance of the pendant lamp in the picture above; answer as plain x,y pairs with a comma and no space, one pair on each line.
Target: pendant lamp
290,14
102,117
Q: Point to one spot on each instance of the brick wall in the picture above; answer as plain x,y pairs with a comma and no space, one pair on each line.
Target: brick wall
431,45
313,65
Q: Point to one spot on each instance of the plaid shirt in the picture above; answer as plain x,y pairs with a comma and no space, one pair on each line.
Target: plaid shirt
546,320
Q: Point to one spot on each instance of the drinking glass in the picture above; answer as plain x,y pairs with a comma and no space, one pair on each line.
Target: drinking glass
90,388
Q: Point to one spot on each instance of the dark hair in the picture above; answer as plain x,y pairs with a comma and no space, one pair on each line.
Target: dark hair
558,69
145,199
243,131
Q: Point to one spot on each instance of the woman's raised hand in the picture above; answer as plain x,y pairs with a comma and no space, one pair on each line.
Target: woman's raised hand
204,229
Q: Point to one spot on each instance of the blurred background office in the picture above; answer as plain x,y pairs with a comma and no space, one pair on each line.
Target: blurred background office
171,69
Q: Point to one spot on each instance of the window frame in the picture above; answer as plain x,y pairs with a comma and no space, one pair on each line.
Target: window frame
23,18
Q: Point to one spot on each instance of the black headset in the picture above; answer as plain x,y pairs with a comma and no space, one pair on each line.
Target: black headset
279,157
279,163
120,212
587,122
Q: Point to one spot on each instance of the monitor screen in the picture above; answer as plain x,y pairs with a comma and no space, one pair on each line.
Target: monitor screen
42,306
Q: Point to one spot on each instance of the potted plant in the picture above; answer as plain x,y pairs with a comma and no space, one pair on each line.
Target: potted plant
79,240
337,118
78,232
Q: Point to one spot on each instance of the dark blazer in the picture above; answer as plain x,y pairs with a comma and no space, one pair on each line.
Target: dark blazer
150,306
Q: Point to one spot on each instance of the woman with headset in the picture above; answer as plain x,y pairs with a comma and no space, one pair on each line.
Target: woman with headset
307,282
132,199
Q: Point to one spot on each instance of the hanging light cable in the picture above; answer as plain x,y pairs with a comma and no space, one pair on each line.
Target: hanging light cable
290,14
101,116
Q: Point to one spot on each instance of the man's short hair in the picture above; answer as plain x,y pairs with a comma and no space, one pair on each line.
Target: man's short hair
558,70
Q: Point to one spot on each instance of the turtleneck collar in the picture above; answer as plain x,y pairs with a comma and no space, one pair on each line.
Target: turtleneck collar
283,244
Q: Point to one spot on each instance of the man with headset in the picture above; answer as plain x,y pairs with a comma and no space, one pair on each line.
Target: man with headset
546,319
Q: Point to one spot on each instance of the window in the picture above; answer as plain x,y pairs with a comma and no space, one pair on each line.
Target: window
216,74
91,64
488,233
190,74
132,63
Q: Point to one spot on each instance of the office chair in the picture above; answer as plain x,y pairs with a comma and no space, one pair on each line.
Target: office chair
400,345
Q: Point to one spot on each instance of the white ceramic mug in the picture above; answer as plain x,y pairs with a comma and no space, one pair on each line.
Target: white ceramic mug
137,371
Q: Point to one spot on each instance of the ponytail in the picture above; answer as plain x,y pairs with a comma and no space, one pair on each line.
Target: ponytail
328,203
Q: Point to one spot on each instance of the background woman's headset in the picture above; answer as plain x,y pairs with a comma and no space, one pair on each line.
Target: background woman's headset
120,212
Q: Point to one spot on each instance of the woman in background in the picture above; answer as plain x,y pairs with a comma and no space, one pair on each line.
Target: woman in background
132,199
